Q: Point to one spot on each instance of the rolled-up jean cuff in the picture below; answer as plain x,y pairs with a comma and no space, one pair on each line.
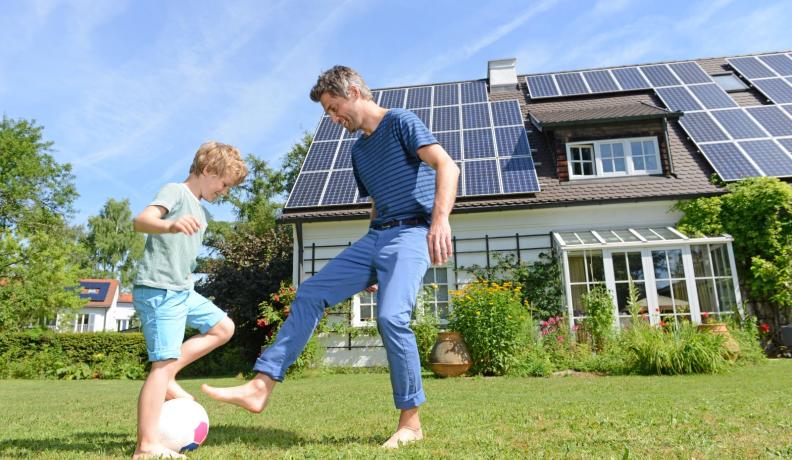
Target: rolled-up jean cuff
164,355
410,402
276,376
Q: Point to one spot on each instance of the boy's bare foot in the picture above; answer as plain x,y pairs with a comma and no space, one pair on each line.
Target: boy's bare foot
156,451
403,435
176,391
251,396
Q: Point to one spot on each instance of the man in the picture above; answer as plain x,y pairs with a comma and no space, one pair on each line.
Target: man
412,182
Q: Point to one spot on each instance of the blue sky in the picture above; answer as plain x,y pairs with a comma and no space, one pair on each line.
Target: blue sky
127,90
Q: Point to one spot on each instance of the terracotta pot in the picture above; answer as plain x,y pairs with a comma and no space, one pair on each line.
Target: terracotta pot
731,345
449,356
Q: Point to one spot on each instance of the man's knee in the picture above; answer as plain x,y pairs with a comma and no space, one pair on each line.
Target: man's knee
393,322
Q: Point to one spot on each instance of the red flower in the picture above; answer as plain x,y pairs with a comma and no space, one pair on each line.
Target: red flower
764,327
276,298
261,322
663,324
560,338
705,314
286,311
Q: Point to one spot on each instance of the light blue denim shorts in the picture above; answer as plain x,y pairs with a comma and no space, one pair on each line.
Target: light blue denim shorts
164,314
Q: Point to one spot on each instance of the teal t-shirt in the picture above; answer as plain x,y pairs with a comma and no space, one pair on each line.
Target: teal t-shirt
169,258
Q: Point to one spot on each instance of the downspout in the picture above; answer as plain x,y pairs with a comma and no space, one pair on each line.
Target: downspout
300,255
668,147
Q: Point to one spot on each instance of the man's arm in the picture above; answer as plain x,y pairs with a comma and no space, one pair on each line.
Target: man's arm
439,237
373,210
150,220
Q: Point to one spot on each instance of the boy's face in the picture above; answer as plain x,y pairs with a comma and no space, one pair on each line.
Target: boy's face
214,186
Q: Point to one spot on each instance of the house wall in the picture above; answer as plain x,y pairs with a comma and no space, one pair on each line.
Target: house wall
473,231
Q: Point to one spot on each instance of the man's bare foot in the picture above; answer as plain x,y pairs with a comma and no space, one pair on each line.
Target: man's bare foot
403,435
176,391
252,396
156,451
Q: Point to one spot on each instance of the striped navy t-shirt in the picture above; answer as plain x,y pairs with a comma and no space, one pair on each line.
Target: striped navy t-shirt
387,167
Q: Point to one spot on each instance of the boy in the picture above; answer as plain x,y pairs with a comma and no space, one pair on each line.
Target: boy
163,294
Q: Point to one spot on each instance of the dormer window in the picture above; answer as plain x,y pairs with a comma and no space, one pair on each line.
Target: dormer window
613,157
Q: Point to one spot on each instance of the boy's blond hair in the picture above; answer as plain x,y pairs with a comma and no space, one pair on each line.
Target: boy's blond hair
222,159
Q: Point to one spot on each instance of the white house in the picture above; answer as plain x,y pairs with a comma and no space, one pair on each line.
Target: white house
107,309
588,163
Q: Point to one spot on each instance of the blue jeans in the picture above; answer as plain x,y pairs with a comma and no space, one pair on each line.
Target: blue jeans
397,258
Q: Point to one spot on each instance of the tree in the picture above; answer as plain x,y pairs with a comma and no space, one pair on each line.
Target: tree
38,270
757,212
114,248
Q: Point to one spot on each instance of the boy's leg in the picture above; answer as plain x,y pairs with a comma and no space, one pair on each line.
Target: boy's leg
401,263
152,396
347,274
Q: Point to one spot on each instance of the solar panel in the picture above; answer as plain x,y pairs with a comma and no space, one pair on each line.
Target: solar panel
101,288
788,108
307,190
475,116
786,143
474,91
738,124
481,178
392,98
600,81
341,188
328,130
660,75
446,94
352,135
506,113
769,157
678,98
344,155
778,62
445,118
712,96
519,175
451,143
419,97
541,86
728,161
773,119
702,128
690,72
629,78
571,83
423,114
776,89
461,181
750,67
512,141
320,156
478,143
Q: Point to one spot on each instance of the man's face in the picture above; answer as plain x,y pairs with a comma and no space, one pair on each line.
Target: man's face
342,110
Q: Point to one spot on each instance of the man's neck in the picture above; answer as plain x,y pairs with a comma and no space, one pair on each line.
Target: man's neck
372,118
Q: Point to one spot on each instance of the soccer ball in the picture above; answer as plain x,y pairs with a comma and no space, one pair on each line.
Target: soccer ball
183,424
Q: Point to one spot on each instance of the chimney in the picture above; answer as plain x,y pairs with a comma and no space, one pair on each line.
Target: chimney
502,75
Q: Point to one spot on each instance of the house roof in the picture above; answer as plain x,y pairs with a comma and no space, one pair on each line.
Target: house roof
690,175
101,292
125,297
634,111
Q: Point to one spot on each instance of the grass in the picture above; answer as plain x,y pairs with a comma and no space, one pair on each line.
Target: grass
741,414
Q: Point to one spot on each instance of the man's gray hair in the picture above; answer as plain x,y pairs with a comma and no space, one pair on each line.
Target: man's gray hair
336,81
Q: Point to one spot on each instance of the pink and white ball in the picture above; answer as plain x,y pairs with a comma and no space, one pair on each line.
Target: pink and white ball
183,424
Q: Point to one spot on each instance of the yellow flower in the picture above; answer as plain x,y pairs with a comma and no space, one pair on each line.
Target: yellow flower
478,312
434,286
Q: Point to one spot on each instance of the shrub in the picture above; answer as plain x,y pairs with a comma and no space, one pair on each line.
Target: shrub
497,328
599,319
425,327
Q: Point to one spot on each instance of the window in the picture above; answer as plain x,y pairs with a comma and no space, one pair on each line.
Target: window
729,82
585,272
83,323
368,307
122,324
614,157
714,283
436,287
671,285
628,268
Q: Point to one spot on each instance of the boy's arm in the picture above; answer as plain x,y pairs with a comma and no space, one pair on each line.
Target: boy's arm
151,221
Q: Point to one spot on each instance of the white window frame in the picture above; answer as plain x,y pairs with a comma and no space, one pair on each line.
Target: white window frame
357,302
83,326
124,322
629,169
431,301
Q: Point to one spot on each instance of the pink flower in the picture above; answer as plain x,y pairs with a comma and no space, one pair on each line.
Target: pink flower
544,323
560,338
705,314
552,320
545,332
576,327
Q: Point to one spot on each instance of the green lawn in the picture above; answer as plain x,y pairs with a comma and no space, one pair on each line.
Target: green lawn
746,413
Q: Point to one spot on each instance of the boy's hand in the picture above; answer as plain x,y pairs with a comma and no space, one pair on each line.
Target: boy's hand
185,224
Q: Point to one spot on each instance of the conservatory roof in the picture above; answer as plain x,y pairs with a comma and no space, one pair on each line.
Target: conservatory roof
645,236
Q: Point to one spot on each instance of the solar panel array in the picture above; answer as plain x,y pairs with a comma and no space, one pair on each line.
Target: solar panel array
486,138
738,142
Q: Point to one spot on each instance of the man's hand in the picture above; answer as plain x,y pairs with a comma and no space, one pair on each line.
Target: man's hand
439,241
185,224
372,289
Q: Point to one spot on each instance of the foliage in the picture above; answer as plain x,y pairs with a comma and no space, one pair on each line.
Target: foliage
539,282
45,354
494,323
114,248
425,326
599,316
758,214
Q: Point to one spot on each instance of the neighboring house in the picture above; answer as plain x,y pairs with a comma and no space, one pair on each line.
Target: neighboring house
107,309
586,163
